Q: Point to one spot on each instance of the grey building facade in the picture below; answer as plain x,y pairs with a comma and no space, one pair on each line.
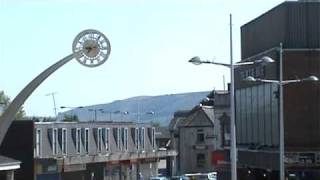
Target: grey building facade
95,151
295,24
200,136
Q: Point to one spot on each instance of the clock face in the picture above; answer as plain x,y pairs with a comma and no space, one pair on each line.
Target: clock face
91,48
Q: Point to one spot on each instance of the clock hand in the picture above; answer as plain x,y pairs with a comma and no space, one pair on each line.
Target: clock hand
88,49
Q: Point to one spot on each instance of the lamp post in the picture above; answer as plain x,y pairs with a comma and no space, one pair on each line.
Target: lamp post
281,83
95,113
151,113
106,112
196,60
121,113
72,109
233,152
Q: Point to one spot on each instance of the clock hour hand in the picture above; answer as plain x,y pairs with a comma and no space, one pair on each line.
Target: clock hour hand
88,49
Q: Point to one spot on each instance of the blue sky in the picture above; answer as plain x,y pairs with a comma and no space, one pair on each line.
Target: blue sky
151,43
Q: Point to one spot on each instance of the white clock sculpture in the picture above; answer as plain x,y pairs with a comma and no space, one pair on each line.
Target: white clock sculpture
90,47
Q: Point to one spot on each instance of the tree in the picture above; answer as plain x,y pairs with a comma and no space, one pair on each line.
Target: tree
70,118
155,124
4,103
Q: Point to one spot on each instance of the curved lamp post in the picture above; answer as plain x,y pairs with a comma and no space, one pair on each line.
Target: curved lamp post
90,48
233,148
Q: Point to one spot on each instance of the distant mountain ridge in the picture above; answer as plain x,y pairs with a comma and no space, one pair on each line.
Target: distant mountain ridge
140,108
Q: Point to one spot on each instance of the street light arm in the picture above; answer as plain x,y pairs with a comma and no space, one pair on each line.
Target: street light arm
217,63
69,107
8,116
291,81
268,81
310,78
197,61
244,63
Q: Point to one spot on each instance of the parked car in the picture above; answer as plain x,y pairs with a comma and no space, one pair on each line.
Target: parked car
203,176
158,178
179,178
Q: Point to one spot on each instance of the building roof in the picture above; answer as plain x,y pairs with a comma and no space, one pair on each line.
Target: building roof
215,99
162,133
7,163
207,110
176,122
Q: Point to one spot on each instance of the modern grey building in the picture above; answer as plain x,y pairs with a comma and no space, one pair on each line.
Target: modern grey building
295,24
81,151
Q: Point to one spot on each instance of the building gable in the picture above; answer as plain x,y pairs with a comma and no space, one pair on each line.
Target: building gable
199,118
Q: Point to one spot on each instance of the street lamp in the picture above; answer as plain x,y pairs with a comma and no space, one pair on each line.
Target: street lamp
95,112
197,61
233,152
151,113
69,107
72,110
121,113
106,112
264,60
281,83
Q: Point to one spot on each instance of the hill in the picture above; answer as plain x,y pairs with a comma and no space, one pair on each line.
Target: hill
140,109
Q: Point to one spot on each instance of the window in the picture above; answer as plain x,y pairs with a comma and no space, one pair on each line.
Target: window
122,138
200,136
38,142
118,138
226,130
64,141
142,137
201,160
54,141
107,139
125,143
153,137
99,135
86,140
78,140
136,138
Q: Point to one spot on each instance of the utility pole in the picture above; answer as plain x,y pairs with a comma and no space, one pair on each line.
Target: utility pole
54,102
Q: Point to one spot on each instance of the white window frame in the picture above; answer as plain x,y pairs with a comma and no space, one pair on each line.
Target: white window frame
38,142
99,137
107,139
86,140
64,139
54,141
78,140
